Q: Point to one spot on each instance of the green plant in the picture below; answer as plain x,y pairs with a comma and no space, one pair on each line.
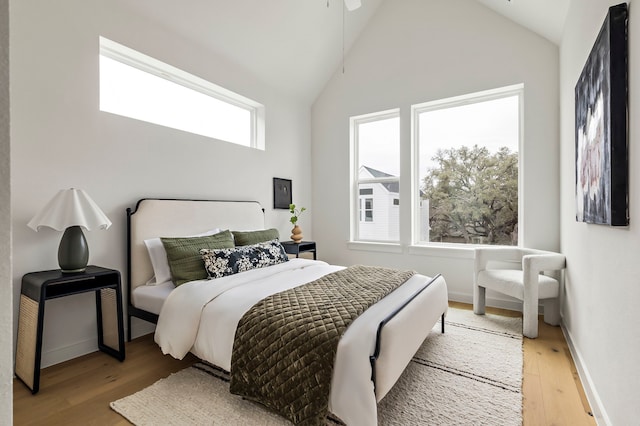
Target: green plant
473,194
295,213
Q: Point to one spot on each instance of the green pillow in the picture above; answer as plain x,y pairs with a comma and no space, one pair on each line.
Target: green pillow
245,238
183,255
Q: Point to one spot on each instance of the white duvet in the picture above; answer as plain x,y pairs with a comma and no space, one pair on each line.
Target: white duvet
202,317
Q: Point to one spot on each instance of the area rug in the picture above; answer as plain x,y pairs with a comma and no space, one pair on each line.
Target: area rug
471,375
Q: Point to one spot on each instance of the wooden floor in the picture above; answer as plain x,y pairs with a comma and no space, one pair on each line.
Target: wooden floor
78,392
551,389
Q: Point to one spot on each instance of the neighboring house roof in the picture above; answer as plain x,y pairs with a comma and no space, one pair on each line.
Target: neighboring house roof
389,186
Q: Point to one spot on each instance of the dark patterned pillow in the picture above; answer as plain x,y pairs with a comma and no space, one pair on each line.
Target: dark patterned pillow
222,262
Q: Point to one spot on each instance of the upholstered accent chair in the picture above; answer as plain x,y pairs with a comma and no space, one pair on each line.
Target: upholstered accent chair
532,276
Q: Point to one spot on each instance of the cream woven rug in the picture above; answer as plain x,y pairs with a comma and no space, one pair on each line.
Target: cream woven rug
471,375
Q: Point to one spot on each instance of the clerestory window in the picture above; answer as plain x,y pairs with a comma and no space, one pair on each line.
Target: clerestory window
137,86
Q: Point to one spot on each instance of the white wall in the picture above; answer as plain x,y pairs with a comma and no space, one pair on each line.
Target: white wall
60,139
415,51
600,310
6,294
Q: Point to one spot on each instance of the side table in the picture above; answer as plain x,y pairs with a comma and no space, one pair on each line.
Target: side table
292,247
38,287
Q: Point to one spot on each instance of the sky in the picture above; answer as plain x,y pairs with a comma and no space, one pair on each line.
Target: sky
131,92
379,146
492,124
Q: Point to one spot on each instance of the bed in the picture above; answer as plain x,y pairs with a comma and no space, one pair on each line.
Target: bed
371,354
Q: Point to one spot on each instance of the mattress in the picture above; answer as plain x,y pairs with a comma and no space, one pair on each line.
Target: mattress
151,297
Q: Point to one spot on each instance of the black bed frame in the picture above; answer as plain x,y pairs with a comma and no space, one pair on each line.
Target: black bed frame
132,311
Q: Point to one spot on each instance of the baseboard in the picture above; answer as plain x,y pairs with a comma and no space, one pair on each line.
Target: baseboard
65,353
460,297
140,328
84,347
597,409
495,302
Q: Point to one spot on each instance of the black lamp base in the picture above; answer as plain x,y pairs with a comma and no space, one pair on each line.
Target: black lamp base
73,253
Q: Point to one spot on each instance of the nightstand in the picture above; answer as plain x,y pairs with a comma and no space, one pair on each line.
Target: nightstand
38,287
296,248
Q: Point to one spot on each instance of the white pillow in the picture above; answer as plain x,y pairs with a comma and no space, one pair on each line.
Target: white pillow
158,257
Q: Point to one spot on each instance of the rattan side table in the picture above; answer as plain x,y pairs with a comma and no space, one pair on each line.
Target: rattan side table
37,287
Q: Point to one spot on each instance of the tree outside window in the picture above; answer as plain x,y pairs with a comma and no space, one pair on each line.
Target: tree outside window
468,168
473,195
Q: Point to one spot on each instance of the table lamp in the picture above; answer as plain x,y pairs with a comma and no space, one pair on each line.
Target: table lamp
69,210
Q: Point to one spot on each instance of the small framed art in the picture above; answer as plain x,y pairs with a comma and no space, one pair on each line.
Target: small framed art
281,193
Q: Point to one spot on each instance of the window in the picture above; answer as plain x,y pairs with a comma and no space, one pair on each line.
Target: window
137,86
366,209
366,205
375,143
465,182
467,168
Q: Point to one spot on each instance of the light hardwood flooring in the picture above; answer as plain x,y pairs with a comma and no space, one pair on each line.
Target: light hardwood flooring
551,389
78,392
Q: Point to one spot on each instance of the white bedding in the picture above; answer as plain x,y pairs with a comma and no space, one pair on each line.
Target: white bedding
202,316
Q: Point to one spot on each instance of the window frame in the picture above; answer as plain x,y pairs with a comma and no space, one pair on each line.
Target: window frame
354,196
125,55
368,201
364,195
471,98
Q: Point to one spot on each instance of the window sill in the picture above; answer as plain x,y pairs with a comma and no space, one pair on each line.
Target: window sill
378,247
451,251
444,250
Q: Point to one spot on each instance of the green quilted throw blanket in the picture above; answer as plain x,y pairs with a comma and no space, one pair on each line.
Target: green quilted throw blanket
285,345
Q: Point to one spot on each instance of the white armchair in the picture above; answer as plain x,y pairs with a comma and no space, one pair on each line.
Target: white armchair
525,281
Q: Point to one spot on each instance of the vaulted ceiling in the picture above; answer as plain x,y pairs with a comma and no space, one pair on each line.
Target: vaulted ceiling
296,45
545,17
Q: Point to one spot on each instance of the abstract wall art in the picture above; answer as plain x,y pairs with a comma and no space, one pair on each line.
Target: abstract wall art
601,127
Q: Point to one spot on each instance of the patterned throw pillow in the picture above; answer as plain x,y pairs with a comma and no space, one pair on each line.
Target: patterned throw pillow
222,262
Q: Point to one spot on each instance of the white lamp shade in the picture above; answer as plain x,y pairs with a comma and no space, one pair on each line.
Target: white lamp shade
70,207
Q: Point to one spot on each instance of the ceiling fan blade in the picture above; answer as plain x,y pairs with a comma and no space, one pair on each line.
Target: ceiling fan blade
352,4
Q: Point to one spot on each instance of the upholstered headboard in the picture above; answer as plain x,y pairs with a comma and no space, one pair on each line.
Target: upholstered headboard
154,218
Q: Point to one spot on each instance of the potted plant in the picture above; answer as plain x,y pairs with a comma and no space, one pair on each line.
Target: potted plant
296,232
